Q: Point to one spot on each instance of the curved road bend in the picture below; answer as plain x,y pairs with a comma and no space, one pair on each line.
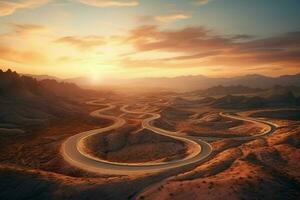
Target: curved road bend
73,153
268,128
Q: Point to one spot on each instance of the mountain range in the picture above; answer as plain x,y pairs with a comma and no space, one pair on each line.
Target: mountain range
189,83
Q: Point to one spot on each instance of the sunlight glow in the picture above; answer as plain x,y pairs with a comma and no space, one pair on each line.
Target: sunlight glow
95,77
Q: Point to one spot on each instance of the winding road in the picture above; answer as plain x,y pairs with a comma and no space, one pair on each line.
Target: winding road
73,151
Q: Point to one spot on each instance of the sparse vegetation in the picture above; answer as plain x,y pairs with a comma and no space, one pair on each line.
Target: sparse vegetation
36,120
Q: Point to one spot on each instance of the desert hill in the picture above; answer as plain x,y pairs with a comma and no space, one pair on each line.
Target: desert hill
275,96
226,90
25,101
231,101
132,144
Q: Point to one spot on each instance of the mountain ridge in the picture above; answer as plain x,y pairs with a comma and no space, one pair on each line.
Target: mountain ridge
191,82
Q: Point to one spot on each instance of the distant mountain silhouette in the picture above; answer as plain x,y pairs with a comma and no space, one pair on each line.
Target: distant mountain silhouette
199,82
239,84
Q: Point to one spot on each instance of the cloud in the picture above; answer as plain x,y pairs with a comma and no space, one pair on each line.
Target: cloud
10,54
202,2
201,47
193,39
26,29
110,3
8,7
83,43
281,42
171,17
242,37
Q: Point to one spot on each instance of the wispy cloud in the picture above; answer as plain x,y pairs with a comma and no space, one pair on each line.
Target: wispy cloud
202,47
172,17
8,7
147,38
29,29
83,43
20,56
110,3
202,2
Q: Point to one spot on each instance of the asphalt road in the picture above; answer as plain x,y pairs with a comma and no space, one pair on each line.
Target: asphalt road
73,152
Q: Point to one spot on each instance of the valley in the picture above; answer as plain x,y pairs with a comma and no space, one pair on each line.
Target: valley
161,145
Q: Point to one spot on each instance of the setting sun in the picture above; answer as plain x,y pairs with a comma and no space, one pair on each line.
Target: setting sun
150,99
127,39
95,77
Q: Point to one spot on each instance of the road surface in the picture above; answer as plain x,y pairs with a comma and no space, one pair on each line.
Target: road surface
73,151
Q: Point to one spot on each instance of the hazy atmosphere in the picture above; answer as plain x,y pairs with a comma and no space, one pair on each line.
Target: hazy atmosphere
125,39
150,99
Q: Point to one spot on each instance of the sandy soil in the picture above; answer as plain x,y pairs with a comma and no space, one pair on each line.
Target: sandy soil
260,169
40,148
267,168
134,145
205,123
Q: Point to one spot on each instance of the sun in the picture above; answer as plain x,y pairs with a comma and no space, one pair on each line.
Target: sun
95,78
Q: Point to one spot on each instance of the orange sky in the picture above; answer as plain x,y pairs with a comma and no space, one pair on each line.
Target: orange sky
101,38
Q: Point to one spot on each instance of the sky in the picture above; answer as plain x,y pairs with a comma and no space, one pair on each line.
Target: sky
150,38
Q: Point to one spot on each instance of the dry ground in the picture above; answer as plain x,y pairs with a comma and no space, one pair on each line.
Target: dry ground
265,168
134,145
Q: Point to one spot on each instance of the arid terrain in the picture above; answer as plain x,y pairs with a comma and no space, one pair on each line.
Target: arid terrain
149,99
59,141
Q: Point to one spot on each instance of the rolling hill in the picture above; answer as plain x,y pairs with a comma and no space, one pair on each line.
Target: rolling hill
276,96
25,101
